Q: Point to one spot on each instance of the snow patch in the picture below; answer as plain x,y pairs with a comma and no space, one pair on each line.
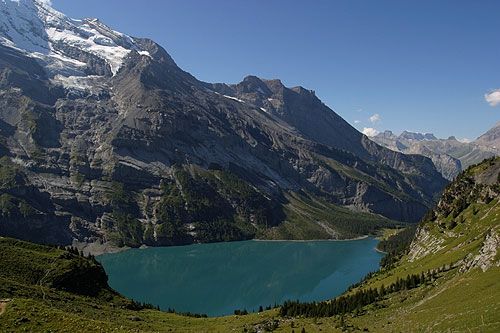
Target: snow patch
35,28
100,46
145,53
81,83
234,98
370,131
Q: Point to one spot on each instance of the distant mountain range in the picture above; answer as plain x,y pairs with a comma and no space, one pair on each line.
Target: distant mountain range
104,138
450,156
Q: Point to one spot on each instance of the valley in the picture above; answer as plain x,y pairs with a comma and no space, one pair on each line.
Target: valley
136,196
455,250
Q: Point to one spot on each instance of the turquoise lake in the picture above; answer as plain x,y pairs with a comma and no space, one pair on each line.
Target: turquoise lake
215,279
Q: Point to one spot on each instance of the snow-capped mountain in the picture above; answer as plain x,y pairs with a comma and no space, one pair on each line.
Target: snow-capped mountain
68,48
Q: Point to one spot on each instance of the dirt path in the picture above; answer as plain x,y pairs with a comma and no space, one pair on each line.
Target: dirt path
42,280
489,211
450,283
3,305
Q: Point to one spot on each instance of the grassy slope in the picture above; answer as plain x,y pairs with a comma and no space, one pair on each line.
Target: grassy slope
309,217
455,301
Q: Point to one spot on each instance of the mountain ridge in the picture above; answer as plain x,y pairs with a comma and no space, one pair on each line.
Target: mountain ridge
490,138
450,156
138,151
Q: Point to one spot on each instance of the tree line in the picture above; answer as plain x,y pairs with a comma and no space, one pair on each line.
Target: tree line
396,245
355,301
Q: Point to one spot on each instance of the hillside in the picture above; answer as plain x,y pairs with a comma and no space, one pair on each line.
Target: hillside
104,139
460,240
445,279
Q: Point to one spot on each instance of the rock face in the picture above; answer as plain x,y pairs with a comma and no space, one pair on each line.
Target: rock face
425,244
450,156
104,137
485,259
491,138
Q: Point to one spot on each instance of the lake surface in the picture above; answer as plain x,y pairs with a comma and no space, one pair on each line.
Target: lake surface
216,279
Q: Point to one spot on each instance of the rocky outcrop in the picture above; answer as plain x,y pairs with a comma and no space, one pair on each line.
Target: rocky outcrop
486,258
424,244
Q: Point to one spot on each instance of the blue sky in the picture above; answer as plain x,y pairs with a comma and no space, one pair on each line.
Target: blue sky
419,65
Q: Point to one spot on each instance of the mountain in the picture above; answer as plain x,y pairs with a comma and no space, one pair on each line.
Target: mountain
450,156
104,139
441,278
491,138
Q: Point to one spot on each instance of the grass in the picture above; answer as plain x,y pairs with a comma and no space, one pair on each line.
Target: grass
33,316
454,302
388,232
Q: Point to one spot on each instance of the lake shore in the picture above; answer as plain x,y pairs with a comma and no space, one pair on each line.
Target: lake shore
311,240
100,248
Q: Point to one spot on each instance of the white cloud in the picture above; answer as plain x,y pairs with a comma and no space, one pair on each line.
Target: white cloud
465,140
357,121
493,97
375,118
369,131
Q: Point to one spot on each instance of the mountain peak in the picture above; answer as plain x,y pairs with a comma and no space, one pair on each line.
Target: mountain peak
252,78
417,136
491,138
385,134
303,91
65,46
253,84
